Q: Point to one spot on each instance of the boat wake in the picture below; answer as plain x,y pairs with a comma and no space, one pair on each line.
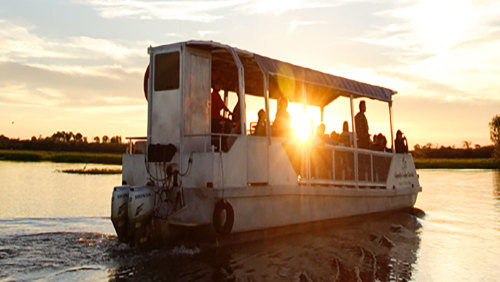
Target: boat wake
379,247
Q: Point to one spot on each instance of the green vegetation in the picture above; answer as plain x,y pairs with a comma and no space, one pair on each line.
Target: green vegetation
60,157
457,163
63,147
93,171
65,141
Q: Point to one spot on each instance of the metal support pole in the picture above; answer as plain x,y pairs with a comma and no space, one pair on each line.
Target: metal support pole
392,130
241,90
354,137
226,94
150,94
306,144
266,100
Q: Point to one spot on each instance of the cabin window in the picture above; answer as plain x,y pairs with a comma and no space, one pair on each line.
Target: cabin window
167,71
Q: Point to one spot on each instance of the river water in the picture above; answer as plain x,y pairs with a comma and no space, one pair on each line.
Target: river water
56,226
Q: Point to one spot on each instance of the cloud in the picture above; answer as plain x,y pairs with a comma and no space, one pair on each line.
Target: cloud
36,86
203,33
102,47
196,11
294,24
18,43
445,49
282,6
199,11
434,26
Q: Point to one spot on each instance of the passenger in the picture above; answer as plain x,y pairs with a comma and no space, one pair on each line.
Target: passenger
345,159
379,143
321,156
281,124
362,127
217,106
346,136
260,128
236,118
335,138
401,143
320,133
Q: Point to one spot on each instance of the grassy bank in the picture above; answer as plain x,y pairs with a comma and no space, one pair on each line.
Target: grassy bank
457,163
101,158
60,157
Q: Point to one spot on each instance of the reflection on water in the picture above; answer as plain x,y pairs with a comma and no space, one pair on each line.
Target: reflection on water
56,226
461,230
40,190
496,188
382,247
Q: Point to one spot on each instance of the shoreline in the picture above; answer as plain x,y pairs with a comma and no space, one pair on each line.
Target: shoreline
113,158
461,163
60,157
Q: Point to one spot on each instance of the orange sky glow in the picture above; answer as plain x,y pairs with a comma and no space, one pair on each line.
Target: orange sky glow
79,65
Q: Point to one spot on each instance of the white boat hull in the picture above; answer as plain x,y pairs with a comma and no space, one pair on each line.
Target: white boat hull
267,207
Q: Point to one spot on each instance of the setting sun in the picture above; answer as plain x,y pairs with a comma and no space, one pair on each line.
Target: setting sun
303,129
302,123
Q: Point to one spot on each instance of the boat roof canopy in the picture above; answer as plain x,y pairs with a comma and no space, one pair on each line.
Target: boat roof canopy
285,79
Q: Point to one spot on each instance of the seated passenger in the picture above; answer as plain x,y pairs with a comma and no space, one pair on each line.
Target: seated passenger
379,143
346,136
260,128
320,133
281,124
401,143
335,138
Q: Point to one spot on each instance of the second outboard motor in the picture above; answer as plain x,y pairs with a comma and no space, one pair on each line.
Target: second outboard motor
119,211
140,210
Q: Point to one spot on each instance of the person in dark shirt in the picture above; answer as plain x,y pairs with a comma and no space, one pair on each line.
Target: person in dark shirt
217,106
363,137
281,124
401,143
260,128
236,118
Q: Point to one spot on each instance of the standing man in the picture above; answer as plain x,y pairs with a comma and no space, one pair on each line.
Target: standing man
362,127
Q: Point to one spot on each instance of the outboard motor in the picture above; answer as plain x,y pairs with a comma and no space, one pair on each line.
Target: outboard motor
140,210
119,211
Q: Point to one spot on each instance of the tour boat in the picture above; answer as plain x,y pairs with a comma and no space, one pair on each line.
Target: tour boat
187,176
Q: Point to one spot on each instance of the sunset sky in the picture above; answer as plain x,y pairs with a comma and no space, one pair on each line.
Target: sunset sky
78,65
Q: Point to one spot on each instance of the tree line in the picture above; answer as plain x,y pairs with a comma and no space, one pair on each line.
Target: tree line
450,152
69,141
468,151
66,141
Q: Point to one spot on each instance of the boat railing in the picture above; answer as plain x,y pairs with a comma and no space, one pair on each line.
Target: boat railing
216,143
136,145
326,164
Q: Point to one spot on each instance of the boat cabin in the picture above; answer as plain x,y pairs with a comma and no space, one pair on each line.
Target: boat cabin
233,149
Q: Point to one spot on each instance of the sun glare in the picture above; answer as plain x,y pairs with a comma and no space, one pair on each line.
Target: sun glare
303,129
301,122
